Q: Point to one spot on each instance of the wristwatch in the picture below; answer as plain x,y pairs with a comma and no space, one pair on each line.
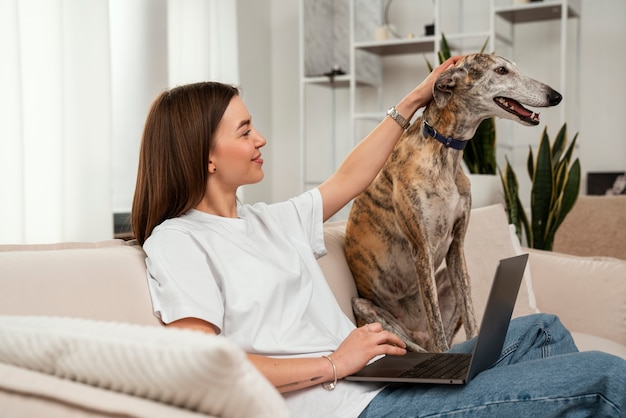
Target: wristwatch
404,124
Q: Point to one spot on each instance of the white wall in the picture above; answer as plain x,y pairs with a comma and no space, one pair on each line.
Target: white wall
255,52
602,135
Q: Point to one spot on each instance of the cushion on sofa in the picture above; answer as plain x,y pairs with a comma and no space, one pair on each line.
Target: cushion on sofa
568,286
587,342
101,280
184,368
335,267
488,240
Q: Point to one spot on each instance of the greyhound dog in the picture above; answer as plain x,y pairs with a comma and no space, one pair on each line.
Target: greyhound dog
411,221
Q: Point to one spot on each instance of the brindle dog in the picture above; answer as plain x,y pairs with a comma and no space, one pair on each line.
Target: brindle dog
414,215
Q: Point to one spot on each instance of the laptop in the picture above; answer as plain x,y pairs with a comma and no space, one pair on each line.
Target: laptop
453,368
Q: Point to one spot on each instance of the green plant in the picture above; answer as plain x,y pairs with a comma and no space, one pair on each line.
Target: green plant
554,190
480,154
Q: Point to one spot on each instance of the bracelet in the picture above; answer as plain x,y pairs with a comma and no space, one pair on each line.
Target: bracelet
400,120
331,386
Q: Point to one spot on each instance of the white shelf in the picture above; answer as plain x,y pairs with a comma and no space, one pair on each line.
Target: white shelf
398,46
339,81
537,11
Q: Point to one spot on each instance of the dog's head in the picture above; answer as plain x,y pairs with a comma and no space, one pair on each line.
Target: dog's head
488,85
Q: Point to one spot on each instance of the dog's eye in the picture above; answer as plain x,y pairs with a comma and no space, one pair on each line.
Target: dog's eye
502,70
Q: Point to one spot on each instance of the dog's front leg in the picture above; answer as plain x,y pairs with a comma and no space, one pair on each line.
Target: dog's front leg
423,262
459,277
425,274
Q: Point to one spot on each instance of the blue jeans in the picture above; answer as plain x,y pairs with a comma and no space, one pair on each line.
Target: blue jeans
539,374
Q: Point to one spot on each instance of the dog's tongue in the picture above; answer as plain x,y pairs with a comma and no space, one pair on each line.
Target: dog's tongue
519,109
516,108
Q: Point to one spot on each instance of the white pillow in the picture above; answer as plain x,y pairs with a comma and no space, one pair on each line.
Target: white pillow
532,302
188,369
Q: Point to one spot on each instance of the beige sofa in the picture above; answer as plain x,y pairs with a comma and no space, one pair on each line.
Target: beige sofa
77,336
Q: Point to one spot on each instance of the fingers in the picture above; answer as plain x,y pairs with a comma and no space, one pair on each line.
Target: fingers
450,62
382,337
373,327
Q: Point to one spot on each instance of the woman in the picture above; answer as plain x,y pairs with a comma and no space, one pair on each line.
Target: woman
249,273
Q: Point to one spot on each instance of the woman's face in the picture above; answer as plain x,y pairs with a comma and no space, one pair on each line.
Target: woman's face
237,156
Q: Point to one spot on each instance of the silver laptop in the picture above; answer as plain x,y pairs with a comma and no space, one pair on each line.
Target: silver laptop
452,368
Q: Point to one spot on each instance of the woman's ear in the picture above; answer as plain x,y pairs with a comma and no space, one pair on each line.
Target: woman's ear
445,84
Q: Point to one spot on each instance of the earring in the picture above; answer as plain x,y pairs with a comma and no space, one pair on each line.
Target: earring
214,169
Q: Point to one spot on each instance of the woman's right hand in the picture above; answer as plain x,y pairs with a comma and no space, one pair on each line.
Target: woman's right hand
362,345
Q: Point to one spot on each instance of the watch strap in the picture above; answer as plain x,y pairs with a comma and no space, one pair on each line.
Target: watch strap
400,120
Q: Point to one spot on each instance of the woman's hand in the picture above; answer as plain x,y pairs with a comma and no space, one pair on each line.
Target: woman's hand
423,93
362,345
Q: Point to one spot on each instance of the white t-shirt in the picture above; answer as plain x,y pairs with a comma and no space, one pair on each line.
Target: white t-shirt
257,279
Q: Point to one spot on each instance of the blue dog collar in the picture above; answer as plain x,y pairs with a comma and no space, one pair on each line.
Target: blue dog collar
448,142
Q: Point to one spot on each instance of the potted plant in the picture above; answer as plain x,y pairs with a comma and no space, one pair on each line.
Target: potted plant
555,188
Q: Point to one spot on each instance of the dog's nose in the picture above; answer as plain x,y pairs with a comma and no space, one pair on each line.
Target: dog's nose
554,98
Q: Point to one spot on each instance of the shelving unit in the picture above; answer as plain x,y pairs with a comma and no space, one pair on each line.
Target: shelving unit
339,34
344,38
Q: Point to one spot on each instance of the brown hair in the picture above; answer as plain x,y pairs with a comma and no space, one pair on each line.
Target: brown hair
174,155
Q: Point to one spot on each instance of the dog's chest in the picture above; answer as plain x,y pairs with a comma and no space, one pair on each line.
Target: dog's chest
434,191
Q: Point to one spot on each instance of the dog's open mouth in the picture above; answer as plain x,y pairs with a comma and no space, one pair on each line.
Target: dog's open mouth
518,110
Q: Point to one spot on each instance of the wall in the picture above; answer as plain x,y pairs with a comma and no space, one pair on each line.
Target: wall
602,94
254,31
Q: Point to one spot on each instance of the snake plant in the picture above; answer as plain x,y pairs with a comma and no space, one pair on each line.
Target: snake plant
555,188
480,153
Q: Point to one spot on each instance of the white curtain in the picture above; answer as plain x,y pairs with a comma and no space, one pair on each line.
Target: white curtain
195,28
78,77
55,120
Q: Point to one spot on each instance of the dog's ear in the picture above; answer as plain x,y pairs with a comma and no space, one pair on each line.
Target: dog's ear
445,84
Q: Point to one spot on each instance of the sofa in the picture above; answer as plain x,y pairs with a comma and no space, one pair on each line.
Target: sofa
78,338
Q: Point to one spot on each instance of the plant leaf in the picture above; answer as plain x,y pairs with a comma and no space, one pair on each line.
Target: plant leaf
482,49
541,197
445,49
569,195
510,186
428,64
559,144
480,154
530,163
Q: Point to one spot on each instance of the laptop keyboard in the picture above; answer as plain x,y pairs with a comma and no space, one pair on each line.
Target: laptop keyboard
444,365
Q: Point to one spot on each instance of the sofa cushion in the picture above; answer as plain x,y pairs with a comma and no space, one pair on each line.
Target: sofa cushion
101,280
488,240
569,285
335,267
26,393
188,369
587,342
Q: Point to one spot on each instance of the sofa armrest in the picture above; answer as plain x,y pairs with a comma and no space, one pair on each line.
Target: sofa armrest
587,293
